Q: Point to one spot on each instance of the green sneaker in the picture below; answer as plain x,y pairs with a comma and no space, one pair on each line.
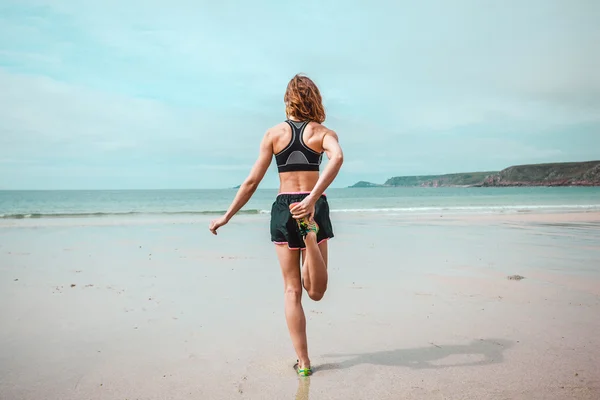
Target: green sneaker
310,226
302,371
306,224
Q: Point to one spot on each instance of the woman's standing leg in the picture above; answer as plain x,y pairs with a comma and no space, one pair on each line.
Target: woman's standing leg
289,261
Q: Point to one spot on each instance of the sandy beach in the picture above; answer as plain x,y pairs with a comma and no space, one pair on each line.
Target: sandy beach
418,307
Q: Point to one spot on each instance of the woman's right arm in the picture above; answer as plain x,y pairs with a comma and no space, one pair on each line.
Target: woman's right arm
250,184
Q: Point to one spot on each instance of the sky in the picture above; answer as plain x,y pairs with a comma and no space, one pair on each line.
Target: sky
156,94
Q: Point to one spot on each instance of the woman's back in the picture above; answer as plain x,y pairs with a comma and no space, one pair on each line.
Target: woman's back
302,176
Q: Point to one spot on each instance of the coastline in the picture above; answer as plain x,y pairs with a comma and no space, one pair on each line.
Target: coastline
560,174
484,185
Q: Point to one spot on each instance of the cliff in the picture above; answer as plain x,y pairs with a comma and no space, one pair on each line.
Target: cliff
462,179
555,174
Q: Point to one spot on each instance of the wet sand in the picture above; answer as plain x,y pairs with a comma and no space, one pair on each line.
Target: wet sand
418,307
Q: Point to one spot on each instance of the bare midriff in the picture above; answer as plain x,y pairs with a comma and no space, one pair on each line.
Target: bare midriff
298,181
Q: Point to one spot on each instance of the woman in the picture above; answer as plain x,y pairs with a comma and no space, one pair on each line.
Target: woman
300,224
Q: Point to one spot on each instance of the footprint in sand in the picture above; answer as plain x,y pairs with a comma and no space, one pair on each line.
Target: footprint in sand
240,386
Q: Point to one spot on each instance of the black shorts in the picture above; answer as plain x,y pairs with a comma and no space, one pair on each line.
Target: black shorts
284,229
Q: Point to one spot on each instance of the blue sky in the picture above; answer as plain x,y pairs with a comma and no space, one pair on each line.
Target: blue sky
177,94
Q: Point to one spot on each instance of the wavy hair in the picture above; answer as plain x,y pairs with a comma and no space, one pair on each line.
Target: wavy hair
303,100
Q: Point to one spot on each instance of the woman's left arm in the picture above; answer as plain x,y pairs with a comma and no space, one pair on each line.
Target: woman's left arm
334,152
250,184
332,148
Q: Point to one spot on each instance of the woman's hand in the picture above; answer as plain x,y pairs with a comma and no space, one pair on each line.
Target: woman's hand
305,208
216,224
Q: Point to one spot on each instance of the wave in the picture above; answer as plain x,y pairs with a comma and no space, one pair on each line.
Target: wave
121,214
469,208
384,210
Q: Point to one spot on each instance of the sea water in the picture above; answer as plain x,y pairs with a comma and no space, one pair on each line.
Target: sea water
99,203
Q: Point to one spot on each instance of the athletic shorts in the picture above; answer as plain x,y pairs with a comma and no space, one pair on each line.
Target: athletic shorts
284,229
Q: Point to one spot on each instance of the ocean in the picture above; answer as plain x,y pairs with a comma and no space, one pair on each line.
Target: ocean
100,203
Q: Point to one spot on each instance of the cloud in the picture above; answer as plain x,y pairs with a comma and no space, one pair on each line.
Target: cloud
43,119
189,87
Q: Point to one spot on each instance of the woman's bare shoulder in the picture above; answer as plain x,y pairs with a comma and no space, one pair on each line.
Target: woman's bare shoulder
278,129
322,130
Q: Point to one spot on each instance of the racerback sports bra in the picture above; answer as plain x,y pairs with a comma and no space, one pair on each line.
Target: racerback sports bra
297,156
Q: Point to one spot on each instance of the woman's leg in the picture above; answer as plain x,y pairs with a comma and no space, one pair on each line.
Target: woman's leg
314,267
289,261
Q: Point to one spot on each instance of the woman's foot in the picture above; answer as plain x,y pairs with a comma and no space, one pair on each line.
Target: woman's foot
311,226
306,224
303,370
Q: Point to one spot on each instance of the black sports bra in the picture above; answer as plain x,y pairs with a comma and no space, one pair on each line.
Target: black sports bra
297,156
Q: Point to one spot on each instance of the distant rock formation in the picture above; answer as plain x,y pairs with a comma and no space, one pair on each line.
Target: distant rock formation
461,179
554,174
365,184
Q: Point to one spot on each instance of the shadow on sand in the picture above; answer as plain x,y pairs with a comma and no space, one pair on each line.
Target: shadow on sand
486,351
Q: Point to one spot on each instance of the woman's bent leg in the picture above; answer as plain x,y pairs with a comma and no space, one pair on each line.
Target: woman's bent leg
289,261
314,268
